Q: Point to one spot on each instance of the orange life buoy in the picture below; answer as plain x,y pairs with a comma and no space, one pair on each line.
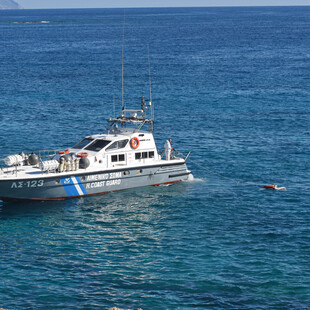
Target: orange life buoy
63,152
82,154
272,186
134,143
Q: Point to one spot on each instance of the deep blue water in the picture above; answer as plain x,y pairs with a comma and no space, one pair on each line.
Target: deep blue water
229,84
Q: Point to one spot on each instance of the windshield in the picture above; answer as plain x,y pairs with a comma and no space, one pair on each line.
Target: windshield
82,143
97,145
118,145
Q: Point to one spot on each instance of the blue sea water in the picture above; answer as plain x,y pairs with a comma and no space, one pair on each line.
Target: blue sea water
231,85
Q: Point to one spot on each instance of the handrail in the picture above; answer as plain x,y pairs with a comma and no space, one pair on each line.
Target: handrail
175,152
42,155
39,152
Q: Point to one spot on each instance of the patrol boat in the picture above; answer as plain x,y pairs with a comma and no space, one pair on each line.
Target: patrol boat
124,156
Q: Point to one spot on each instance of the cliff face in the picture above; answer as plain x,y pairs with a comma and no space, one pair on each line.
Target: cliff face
9,5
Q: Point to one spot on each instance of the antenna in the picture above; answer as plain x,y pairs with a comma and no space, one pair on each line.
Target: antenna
151,107
113,106
148,53
123,62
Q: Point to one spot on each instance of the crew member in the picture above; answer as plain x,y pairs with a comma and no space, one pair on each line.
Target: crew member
168,149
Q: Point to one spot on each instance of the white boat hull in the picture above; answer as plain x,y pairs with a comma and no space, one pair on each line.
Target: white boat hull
81,184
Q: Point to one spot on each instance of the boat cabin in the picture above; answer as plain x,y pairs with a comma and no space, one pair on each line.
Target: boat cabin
121,148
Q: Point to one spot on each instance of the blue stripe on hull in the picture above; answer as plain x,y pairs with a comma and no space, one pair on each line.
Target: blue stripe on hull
81,185
69,187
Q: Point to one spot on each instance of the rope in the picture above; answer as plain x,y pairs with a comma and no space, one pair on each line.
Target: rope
218,174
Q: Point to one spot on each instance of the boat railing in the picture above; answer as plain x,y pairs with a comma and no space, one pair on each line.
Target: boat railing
175,154
4,168
42,156
181,155
47,154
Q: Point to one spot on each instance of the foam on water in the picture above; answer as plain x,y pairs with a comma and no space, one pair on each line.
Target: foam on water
192,179
33,22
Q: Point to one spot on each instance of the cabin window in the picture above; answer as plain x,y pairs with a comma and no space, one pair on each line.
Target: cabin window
116,158
118,145
122,143
113,146
97,145
144,155
82,143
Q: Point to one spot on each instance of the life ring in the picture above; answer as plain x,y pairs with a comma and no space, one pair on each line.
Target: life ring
134,143
82,154
63,152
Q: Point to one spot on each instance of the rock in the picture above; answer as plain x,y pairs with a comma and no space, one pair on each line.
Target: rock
9,5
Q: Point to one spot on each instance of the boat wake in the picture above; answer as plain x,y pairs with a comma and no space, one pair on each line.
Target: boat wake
33,22
192,179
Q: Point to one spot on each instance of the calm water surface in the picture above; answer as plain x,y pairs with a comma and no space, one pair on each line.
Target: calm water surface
229,84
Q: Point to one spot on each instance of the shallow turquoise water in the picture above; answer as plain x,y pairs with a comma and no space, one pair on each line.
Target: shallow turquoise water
230,85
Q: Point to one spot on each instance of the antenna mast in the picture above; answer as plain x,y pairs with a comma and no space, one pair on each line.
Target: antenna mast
114,106
151,108
148,53
123,62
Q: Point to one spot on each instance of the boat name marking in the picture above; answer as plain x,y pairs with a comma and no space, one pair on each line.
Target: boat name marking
104,180
23,184
105,176
103,183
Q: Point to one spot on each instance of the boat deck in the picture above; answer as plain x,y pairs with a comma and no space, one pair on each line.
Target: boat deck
31,172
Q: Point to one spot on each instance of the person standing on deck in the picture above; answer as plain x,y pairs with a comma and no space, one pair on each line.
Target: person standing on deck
168,149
